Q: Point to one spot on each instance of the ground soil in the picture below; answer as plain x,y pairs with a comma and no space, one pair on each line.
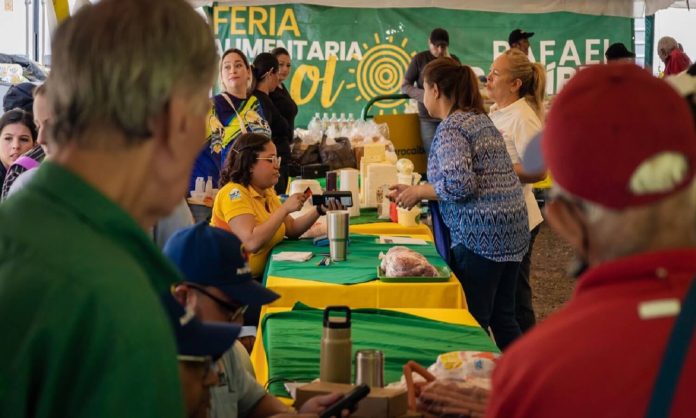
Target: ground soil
551,286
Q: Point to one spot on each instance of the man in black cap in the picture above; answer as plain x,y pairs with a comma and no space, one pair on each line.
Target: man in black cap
219,287
438,46
617,52
520,39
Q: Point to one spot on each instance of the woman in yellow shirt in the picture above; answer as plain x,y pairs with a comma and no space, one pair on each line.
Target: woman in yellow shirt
248,206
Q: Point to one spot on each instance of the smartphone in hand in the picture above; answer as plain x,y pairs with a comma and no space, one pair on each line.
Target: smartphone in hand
349,401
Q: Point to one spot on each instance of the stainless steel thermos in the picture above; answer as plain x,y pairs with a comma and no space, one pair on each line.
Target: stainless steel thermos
336,346
369,368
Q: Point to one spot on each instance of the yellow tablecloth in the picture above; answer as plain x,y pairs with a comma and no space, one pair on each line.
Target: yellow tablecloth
374,294
453,316
392,228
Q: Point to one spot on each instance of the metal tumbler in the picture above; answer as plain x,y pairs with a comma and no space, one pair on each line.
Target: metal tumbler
338,222
369,368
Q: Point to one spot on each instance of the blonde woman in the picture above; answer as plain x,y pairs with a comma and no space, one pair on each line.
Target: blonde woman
517,86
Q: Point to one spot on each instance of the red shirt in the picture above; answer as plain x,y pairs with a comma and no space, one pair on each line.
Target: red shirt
676,62
596,357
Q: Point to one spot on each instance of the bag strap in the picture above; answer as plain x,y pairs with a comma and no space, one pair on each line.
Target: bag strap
675,355
242,125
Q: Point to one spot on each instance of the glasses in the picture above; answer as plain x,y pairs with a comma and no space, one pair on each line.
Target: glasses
233,311
275,160
204,362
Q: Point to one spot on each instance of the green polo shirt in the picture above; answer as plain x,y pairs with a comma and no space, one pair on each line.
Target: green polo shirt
83,332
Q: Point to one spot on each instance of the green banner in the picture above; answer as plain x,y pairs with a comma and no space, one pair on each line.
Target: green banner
343,57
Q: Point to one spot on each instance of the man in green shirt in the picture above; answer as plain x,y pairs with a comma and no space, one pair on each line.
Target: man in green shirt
84,333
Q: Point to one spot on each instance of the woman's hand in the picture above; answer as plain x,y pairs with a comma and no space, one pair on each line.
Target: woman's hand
332,204
294,202
447,399
395,190
408,197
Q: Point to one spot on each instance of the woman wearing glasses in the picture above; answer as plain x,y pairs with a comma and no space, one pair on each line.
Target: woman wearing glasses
248,206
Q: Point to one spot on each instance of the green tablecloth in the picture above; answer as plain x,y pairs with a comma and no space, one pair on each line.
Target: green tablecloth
292,341
360,267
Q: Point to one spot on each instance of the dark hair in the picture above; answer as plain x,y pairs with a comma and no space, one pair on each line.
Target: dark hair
235,51
241,158
457,82
264,64
19,116
276,52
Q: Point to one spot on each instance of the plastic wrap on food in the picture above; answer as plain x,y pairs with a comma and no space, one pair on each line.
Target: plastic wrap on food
404,262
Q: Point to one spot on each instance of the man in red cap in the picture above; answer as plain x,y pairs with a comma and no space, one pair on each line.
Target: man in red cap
621,147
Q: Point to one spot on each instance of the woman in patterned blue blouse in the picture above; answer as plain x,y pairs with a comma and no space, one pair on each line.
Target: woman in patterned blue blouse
479,194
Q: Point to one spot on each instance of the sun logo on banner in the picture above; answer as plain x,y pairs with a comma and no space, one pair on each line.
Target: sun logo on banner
381,71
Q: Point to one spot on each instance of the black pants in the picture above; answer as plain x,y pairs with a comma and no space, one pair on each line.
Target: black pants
489,287
524,311
282,186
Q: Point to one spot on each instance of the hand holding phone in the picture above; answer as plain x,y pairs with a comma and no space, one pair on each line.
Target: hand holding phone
343,197
349,401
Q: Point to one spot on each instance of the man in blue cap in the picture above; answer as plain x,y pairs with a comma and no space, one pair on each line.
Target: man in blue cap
199,345
219,287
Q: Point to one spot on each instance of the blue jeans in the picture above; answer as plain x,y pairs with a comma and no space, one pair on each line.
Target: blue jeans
489,287
427,131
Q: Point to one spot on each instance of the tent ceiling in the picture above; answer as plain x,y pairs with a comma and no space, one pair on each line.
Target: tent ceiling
628,8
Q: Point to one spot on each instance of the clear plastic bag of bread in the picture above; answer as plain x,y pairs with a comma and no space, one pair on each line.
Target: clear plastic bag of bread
404,262
466,369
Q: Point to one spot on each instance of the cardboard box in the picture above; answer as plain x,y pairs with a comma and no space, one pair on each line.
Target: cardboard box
380,403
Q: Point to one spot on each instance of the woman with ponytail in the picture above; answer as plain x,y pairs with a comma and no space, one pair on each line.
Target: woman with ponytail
265,71
480,198
517,87
233,112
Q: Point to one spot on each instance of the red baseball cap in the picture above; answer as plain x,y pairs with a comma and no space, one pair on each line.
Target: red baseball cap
619,137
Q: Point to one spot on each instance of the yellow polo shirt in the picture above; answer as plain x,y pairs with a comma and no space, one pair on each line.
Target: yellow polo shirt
235,199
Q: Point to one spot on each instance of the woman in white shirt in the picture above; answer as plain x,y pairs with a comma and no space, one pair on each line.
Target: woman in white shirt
517,87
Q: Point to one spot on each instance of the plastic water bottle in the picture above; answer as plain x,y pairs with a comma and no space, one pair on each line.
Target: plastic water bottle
350,121
315,123
342,121
333,121
325,122
209,186
200,185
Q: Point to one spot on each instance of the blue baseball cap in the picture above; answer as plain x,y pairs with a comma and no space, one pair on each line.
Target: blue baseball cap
198,338
210,256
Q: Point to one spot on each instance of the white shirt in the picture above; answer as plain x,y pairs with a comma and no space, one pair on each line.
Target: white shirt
518,124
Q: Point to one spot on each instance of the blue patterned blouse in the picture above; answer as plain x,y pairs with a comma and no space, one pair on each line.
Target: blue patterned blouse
480,195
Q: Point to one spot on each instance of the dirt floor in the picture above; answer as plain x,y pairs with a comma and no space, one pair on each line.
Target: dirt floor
551,286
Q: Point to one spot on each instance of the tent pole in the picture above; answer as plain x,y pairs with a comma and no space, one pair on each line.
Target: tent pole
649,41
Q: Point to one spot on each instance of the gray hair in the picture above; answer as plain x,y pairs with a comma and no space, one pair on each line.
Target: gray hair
670,222
117,62
667,43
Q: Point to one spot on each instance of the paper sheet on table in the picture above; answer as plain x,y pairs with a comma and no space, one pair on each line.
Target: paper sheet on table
298,256
388,239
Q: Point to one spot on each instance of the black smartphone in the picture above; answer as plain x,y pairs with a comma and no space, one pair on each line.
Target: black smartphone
344,198
349,401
